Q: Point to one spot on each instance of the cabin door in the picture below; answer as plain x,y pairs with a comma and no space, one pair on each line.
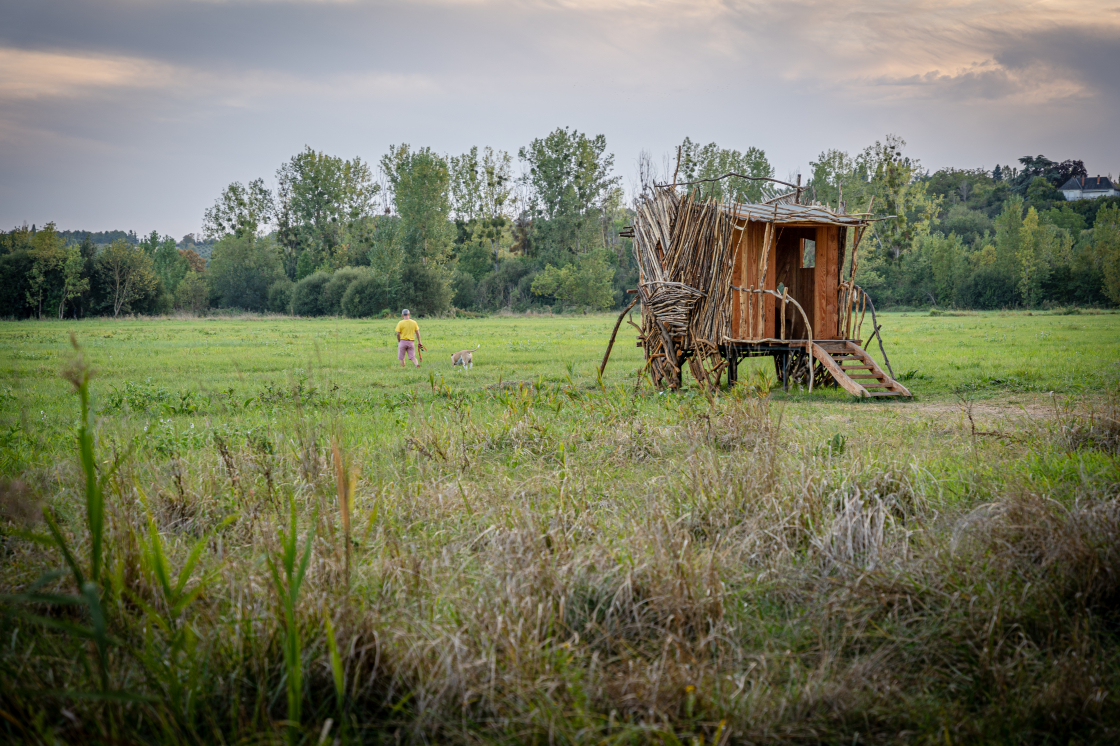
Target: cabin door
808,264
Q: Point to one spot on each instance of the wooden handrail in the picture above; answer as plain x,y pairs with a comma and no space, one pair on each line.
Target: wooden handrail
784,297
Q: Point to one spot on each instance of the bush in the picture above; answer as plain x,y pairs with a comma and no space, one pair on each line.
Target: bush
586,282
986,288
163,302
424,290
241,271
498,288
307,295
476,260
15,269
464,290
193,293
280,296
367,296
334,290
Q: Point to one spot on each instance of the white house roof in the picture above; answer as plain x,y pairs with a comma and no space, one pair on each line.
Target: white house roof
1087,183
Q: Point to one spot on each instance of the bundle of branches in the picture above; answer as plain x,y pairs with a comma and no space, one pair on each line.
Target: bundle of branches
683,248
671,303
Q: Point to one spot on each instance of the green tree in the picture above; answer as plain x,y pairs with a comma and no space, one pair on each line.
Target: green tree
74,282
421,188
585,282
169,264
835,179
367,296
1063,216
711,161
967,223
948,261
384,253
48,253
482,199
240,211
571,184
900,197
1026,249
1041,194
126,274
241,270
1031,258
193,293
322,204
423,288
1106,244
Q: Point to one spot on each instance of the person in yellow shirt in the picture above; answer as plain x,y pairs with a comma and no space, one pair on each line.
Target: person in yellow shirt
408,336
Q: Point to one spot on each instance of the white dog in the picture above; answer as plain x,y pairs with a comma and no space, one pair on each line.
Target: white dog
464,358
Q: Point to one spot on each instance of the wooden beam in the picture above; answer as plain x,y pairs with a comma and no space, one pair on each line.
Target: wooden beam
607,355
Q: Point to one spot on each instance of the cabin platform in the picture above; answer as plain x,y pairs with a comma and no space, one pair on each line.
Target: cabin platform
841,362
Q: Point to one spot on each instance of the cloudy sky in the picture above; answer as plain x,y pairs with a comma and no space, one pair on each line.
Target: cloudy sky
134,114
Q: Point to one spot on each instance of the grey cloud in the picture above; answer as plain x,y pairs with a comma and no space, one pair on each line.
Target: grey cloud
989,84
241,86
1091,55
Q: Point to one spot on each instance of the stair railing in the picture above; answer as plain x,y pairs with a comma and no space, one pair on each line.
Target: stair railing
849,292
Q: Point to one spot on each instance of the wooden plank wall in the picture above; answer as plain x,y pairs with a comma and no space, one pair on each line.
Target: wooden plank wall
826,278
813,288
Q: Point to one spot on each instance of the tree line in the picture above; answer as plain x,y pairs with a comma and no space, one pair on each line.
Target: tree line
436,232
973,238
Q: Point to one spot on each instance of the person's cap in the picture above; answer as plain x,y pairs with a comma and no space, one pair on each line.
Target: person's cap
405,312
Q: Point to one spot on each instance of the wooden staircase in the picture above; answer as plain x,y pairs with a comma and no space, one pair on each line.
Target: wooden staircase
854,369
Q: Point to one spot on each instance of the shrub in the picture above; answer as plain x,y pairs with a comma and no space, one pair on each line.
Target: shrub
498,288
476,260
280,296
988,287
586,282
366,296
193,293
241,271
334,290
424,290
307,295
464,290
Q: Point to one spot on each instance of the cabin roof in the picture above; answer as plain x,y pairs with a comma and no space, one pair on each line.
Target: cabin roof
784,213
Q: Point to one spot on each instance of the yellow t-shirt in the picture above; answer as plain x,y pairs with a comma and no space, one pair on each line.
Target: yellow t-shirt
407,328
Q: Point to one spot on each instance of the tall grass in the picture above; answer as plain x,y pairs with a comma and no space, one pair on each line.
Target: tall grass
573,561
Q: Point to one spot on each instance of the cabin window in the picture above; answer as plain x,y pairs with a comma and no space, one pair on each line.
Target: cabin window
808,253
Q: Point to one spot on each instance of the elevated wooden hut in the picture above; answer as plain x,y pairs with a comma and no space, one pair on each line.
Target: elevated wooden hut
722,281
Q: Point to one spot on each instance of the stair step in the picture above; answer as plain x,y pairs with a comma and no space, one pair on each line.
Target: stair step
856,371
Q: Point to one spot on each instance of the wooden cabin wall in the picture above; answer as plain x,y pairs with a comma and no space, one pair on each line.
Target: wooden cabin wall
826,279
814,288
745,274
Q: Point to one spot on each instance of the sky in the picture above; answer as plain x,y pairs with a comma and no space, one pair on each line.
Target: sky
135,114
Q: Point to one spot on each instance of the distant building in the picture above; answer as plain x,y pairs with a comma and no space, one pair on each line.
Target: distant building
1089,187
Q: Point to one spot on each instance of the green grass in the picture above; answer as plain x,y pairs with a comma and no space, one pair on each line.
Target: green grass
568,561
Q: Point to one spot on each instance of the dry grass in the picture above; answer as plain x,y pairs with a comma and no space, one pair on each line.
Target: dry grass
556,565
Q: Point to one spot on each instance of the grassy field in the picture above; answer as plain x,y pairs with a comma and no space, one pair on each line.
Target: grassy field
524,553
